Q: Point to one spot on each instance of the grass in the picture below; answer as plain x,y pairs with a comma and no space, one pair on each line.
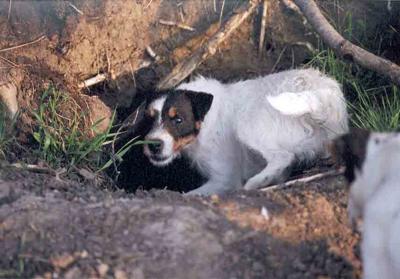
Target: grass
373,102
64,141
377,109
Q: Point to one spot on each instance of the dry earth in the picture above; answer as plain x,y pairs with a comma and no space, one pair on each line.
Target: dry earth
61,229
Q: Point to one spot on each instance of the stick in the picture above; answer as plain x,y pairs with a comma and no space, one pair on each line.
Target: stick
177,24
307,179
262,30
34,168
75,8
93,80
186,67
222,12
152,53
24,44
343,47
104,76
9,10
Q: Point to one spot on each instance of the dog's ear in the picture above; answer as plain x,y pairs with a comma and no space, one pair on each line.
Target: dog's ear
350,149
201,103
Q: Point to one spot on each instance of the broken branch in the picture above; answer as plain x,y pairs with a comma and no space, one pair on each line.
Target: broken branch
93,80
345,48
262,30
186,67
23,45
307,179
176,24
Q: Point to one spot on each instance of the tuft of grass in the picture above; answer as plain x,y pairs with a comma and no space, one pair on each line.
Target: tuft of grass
377,109
64,141
373,103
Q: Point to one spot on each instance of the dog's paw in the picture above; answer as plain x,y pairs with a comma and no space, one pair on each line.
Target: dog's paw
251,185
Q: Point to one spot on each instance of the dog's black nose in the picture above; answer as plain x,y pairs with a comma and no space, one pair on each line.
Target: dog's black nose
155,146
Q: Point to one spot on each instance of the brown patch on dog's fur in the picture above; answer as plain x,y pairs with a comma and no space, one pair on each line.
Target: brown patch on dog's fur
182,142
198,125
172,112
350,149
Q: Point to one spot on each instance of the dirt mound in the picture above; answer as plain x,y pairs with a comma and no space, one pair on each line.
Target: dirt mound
51,228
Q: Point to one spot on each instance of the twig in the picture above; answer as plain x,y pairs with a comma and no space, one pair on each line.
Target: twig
104,76
176,24
262,30
307,45
180,8
24,44
34,168
345,48
93,80
278,59
75,8
152,53
9,61
9,10
307,179
148,4
222,12
186,67
40,169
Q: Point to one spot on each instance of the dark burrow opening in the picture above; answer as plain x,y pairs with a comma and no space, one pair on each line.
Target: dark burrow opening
135,172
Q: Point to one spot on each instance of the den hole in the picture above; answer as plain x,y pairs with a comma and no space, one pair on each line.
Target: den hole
135,172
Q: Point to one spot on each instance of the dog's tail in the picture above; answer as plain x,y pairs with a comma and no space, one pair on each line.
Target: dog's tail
326,107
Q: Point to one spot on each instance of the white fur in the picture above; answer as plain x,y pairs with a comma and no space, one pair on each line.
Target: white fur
159,133
249,138
257,128
375,197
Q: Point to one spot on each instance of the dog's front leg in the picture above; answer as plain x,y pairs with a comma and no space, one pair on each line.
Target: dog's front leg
213,186
275,171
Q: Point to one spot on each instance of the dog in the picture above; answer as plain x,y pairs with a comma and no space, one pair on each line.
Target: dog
247,133
374,159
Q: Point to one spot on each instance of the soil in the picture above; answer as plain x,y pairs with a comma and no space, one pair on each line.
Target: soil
52,228
62,229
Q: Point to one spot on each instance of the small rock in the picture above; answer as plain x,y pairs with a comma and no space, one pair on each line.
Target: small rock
119,274
264,213
63,261
8,97
102,269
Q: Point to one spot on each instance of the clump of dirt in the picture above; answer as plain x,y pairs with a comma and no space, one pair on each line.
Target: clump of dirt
51,228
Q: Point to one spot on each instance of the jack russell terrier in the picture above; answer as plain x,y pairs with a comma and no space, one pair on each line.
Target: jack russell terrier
248,133
373,168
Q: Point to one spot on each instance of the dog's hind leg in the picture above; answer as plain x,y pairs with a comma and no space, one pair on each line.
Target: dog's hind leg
276,170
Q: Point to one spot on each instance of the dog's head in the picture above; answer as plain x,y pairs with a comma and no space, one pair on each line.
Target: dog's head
365,155
177,118
350,149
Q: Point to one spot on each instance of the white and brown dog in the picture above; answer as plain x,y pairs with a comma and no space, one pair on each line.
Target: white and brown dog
247,133
373,169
